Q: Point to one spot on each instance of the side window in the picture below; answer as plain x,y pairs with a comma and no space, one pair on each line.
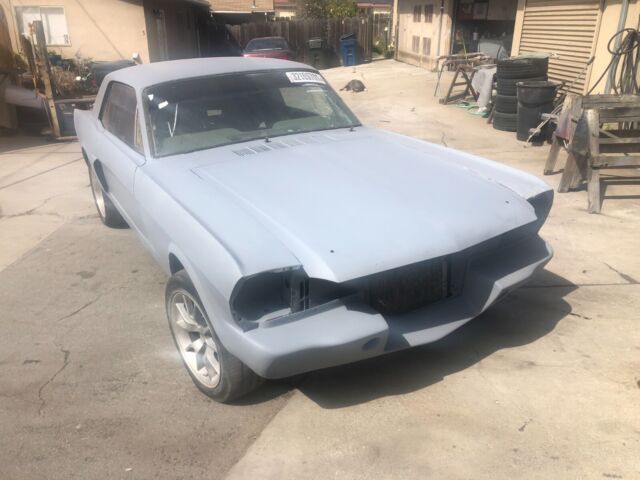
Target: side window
118,114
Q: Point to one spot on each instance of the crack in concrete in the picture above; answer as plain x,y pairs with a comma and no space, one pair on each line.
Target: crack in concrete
78,310
66,352
32,211
43,402
626,277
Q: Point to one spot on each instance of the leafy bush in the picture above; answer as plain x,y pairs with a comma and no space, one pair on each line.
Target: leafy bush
329,9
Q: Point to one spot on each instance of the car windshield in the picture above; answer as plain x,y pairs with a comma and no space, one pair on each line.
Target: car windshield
266,44
201,113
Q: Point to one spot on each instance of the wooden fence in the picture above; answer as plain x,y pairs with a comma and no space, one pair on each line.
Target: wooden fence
299,32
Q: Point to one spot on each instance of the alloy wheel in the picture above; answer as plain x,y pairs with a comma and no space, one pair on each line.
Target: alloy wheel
98,194
194,338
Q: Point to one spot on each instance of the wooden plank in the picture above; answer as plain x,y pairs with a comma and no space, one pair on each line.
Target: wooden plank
593,191
556,145
604,161
569,174
619,118
616,141
610,100
552,158
619,114
44,68
580,149
593,174
619,148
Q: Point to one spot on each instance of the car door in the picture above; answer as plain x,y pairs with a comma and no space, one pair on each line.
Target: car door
121,153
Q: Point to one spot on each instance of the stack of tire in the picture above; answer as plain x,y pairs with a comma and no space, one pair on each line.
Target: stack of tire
511,71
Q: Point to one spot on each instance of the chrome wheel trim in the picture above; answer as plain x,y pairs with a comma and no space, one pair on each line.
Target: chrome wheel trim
194,338
98,194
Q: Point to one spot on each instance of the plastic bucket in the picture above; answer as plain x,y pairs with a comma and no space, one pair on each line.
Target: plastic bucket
537,93
534,99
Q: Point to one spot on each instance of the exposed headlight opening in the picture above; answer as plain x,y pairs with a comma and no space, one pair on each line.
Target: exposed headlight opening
269,294
277,293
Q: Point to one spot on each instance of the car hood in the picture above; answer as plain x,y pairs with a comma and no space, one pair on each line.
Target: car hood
349,204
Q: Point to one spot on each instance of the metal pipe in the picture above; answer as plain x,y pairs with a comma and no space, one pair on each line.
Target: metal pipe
440,26
621,23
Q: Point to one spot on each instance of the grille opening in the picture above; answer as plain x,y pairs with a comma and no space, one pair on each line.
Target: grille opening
408,288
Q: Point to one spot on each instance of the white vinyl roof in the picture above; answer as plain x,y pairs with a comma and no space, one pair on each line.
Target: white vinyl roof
142,76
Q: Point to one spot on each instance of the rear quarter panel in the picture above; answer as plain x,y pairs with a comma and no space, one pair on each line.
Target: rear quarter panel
84,121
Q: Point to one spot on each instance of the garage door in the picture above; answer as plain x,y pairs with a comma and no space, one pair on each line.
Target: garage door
564,27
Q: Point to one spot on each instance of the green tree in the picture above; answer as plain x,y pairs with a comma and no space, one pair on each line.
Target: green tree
329,8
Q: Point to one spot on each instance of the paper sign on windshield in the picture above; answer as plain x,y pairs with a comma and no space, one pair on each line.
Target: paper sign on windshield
305,77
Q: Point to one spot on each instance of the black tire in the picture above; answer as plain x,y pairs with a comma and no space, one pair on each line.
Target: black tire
507,86
522,68
507,122
108,213
506,104
236,379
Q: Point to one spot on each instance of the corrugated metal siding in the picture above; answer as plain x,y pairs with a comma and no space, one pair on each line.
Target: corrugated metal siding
567,28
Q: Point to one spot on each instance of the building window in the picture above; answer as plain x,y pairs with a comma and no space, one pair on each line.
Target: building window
428,13
53,20
426,46
417,13
415,44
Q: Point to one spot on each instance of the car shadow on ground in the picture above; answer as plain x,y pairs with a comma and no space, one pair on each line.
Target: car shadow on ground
521,318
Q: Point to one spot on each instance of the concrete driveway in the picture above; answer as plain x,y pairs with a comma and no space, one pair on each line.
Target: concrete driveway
544,385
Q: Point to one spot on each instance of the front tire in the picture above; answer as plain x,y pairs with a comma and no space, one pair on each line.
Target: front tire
107,211
214,370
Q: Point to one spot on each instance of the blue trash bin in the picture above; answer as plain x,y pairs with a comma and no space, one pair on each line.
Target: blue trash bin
349,49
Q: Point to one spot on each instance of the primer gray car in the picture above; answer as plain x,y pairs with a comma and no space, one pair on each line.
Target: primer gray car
297,239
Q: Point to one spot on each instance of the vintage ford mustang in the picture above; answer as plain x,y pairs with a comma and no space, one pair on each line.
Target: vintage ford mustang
296,238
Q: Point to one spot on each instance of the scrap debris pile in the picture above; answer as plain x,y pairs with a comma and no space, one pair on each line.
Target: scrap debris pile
599,132
516,94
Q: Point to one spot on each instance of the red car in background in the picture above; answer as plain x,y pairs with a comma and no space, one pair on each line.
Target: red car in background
268,47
